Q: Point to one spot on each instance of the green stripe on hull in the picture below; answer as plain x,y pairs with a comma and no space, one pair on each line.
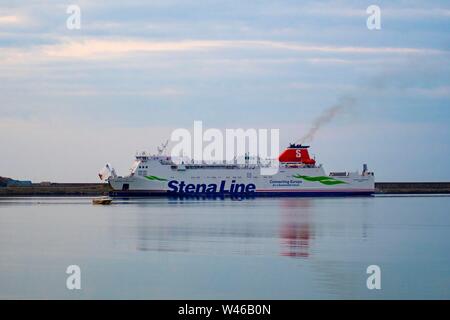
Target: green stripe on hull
321,179
155,178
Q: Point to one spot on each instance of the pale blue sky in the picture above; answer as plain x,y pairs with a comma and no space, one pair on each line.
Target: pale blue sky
71,100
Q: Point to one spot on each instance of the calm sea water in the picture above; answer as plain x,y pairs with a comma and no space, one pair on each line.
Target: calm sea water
287,248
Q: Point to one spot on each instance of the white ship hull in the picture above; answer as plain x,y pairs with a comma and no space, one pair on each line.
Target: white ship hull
154,178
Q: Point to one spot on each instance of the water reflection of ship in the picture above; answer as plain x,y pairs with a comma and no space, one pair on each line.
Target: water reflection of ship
247,233
243,227
331,240
296,232
207,227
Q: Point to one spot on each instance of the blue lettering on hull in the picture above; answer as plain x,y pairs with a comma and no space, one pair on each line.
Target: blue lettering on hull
180,187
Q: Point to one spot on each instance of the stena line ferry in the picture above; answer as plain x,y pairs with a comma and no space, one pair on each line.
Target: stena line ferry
297,175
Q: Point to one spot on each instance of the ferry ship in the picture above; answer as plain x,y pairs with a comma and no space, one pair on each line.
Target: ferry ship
297,175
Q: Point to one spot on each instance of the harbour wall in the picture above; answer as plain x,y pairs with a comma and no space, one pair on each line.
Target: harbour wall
412,187
56,189
98,189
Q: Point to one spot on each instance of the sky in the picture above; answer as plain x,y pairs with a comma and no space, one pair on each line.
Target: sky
72,100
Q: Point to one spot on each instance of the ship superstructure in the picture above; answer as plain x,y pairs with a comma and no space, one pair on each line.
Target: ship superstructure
297,175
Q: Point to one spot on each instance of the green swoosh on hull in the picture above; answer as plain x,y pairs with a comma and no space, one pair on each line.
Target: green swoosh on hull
321,179
155,178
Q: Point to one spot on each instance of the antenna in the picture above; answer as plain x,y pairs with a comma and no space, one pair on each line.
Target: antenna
162,148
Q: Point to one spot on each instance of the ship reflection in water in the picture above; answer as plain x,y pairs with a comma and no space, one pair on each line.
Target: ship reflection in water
284,227
296,232
234,232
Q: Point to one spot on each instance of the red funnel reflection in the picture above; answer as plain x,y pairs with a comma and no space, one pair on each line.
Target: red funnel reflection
295,232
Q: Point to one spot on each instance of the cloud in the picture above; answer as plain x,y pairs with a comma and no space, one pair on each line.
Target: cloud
169,61
16,19
339,9
94,48
346,49
418,12
86,92
91,48
323,86
435,92
10,20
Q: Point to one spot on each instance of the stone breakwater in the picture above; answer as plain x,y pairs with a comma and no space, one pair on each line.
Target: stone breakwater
97,189
56,189
412,187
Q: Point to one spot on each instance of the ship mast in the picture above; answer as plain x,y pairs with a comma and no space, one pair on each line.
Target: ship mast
162,148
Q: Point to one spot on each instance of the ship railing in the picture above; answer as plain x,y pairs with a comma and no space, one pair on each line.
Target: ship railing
218,166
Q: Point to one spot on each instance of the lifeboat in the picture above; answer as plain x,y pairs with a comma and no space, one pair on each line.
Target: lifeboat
102,200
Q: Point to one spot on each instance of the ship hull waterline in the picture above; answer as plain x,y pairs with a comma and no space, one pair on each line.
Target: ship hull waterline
266,194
